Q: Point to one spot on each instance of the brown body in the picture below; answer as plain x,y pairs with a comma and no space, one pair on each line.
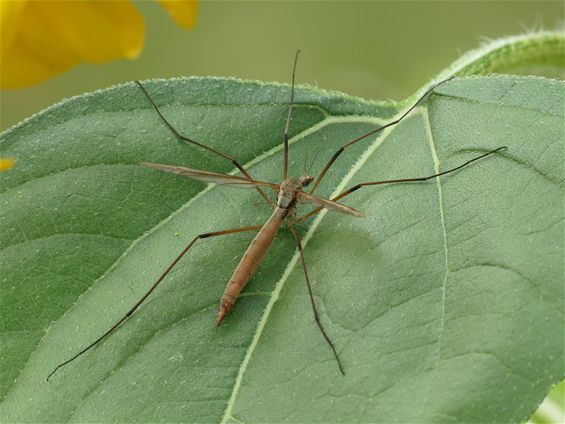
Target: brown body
252,258
290,194
257,250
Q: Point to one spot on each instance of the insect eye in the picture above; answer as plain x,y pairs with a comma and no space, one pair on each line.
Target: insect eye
307,179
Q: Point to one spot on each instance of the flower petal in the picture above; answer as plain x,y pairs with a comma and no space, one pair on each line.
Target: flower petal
183,12
6,163
51,36
10,15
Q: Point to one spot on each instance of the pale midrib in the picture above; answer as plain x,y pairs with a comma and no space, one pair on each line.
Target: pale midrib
427,125
325,122
290,267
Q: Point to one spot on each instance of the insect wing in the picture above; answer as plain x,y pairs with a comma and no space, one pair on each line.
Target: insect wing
328,204
210,177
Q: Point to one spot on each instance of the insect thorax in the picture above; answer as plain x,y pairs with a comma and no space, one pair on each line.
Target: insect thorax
289,190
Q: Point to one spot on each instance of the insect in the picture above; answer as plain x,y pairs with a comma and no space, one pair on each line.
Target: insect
290,193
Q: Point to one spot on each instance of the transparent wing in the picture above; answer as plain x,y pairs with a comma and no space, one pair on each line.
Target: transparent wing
328,204
210,177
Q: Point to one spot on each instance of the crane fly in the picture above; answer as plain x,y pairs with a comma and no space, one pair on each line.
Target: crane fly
290,194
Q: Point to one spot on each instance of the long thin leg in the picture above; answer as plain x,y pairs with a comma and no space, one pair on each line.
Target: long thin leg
190,140
401,180
311,295
376,130
286,128
153,287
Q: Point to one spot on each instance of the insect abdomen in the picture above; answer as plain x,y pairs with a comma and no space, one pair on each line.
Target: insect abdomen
250,261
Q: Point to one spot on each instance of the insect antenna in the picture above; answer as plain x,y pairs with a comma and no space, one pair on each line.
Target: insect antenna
312,163
305,162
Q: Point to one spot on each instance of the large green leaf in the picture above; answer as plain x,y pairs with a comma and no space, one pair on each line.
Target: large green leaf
445,302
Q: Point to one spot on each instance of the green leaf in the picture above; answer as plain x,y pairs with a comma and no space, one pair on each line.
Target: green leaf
445,302
530,54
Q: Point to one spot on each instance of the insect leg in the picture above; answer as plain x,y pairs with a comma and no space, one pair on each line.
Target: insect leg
401,180
311,295
376,130
151,289
210,149
286,128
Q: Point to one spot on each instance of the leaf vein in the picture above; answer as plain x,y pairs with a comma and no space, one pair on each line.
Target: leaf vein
428,126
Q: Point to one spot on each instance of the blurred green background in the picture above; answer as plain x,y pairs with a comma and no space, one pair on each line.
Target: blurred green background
371,49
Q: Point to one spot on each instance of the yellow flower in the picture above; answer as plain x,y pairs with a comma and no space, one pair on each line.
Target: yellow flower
40,39
6,163
182,11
